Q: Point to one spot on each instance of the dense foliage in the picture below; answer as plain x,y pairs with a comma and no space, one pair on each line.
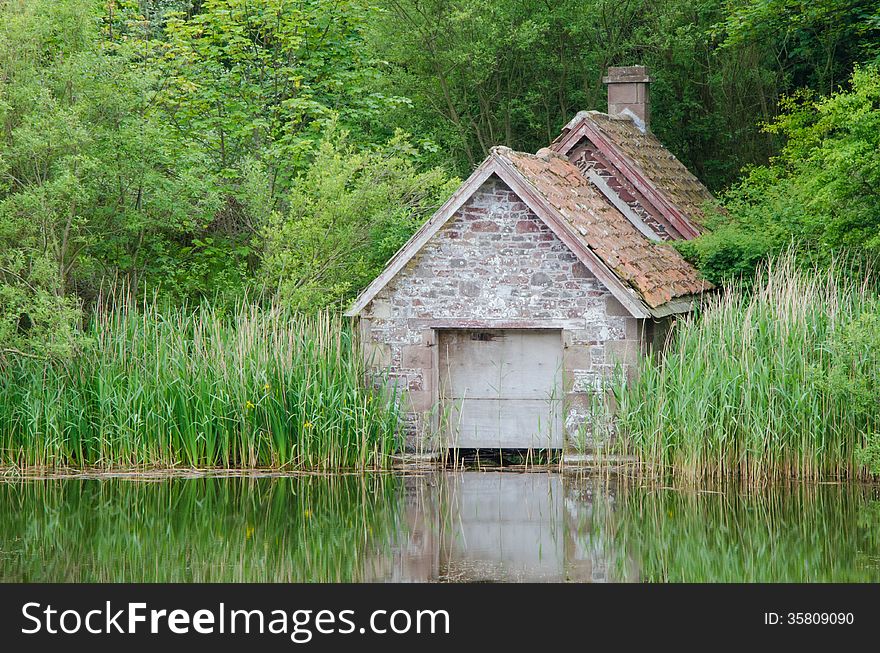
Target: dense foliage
821,194
210,151
346,216
155,143
482,72
199,148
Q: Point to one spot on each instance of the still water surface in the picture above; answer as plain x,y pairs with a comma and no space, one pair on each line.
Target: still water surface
438,526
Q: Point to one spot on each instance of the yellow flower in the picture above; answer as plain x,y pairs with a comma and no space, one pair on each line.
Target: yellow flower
249,531
249,405
266,387
307,425
307,514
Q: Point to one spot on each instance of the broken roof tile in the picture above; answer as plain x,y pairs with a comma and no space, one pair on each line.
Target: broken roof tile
669,176
657,272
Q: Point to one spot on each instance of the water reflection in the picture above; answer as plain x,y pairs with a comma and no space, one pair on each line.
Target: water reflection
517,527
446,526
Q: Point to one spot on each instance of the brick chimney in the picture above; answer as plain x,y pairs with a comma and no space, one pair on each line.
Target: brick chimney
628,93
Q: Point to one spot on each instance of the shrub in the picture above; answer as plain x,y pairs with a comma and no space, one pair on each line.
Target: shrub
348,215
819,195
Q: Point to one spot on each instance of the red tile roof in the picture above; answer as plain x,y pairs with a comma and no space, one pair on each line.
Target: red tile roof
666,173
657,272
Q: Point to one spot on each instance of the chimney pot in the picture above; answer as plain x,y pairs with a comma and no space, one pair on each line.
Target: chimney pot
628,93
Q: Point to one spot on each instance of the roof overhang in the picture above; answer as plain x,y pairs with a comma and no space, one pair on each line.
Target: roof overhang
677,305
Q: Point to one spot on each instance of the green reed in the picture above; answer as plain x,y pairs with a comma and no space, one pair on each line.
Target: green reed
257,387
773,382
295,529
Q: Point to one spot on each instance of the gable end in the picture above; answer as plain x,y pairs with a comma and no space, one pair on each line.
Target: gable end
585,126
496,165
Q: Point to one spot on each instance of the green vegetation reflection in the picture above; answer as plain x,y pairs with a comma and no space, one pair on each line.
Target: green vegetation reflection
797,533
391,527
301,529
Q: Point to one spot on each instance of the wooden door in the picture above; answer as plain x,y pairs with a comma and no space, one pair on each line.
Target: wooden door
501,388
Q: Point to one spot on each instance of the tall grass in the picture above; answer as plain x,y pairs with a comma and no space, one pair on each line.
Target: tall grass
775,382
259,387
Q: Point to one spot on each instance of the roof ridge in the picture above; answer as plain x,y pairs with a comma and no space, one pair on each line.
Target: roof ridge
545,153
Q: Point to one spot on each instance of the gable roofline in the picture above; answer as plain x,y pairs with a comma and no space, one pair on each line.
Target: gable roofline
566,233
582,126
497,165
397,262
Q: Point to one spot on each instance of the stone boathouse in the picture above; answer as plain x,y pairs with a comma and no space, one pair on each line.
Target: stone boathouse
504,313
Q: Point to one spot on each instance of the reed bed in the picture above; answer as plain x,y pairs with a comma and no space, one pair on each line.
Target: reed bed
256,387
774,382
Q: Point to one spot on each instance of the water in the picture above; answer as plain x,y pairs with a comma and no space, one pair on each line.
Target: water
438,526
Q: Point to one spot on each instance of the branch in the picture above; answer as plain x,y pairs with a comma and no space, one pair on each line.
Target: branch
18,352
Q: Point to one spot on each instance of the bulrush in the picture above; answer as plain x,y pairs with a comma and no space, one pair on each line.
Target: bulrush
769,382
257,387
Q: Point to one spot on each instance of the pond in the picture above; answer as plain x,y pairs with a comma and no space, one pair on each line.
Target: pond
438,526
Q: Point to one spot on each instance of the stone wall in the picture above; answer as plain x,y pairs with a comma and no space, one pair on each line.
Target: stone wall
495,264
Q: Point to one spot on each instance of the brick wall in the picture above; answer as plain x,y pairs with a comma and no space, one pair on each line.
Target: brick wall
587,156
495,264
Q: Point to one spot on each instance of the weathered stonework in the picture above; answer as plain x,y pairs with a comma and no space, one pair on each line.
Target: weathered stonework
495,264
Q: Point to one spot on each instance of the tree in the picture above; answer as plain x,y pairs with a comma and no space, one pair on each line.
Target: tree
261,80
482,73
87,176
821,194
814,43
348,214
